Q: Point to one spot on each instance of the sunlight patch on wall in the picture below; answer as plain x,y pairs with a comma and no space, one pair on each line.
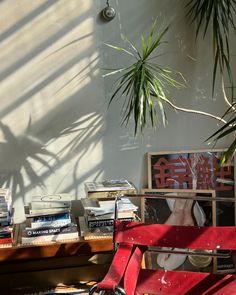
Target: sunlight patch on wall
42,57
50,126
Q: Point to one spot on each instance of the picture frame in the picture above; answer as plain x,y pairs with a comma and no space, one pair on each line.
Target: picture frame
164,194
157,207
194,169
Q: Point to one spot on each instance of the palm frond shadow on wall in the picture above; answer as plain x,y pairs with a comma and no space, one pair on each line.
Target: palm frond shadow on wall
19,157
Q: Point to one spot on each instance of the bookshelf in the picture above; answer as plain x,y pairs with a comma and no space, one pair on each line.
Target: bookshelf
28,266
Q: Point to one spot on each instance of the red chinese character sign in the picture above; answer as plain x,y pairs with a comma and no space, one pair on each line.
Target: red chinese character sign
190,170
197,170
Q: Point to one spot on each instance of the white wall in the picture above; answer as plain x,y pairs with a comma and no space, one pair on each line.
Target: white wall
52,56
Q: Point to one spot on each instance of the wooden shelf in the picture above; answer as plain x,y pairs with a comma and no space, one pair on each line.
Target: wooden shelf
54,262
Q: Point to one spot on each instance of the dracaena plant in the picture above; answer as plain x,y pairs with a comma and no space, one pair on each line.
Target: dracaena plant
228,128
217,16
145,83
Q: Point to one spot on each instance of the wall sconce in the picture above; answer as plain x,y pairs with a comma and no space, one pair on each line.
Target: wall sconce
108,13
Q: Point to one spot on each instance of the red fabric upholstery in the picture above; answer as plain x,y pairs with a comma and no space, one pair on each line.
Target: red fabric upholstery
180,282
173,236
229,289
117,268
132,271
133,239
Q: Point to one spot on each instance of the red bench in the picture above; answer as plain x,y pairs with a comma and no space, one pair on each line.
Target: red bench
126,275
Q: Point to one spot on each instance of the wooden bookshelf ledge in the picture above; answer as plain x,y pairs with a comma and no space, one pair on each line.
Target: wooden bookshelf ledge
55,249
53,263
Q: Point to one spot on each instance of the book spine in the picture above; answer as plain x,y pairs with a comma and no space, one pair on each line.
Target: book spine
48,211
6,240
46,218
5,221
129,214
107,186
108,194
103,223
45,205
49,231
5,234
4,214
54,223
4,206
50,238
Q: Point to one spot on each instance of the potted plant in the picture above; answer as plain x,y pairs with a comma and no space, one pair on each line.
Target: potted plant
145,83
218,16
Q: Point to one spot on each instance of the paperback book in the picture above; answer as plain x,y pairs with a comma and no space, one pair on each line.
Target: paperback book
109,194
44,211
109,185
31,232
49,238
96,207
55,223
103,222
58,219
5,234
8,240
51,201
97,233
51,217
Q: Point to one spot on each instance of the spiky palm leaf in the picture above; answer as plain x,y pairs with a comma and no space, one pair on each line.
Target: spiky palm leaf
227,129
218,15
144,83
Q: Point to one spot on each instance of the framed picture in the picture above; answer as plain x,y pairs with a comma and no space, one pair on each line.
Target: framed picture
183,207
195,169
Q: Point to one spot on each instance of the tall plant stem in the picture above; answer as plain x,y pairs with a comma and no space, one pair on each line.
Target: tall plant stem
193,111
225,96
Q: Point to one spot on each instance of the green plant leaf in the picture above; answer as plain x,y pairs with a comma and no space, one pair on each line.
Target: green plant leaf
120,49
229,153
218,16
144,84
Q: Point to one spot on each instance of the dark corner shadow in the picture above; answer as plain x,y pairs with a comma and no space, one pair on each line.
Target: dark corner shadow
17,157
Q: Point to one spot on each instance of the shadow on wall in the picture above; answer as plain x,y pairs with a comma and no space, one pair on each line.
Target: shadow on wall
52,81
26,161
17,155
50,52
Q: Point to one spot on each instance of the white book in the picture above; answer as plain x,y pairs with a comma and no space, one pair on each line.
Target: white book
128,214
108,185
6,208
51,201
54,223
98,207
4,214
49,238
88,234
45,211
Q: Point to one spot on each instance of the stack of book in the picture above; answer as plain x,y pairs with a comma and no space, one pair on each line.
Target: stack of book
49,220
109,188
6,218
98,219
